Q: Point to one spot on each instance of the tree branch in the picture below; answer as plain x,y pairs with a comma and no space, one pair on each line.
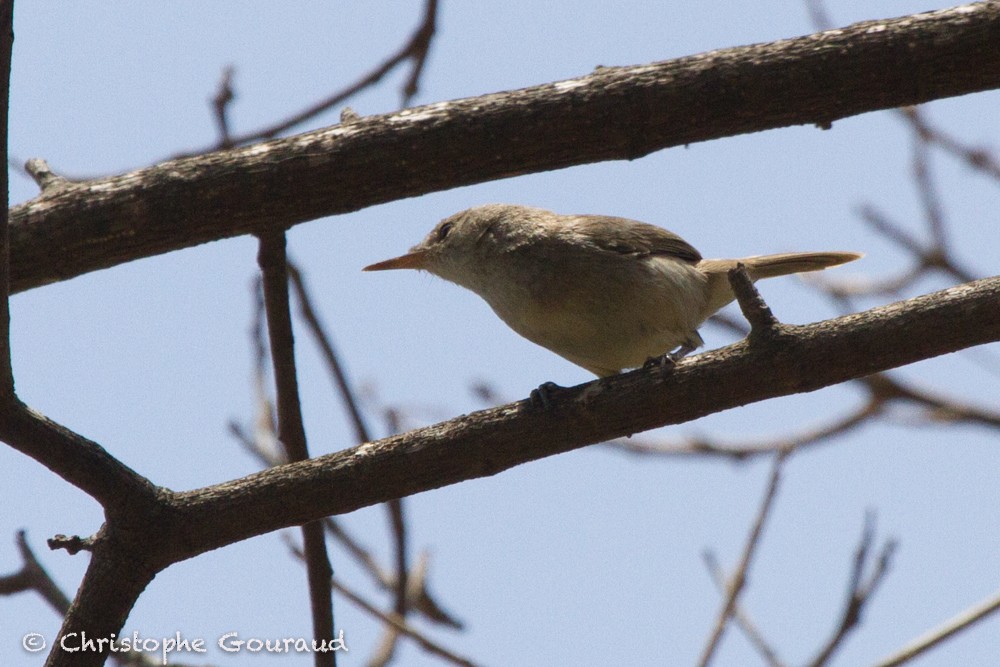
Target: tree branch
273,262
6,47
613,114
860,591
951,627
33,576
415,49
803,358
734,586
81,462
149,528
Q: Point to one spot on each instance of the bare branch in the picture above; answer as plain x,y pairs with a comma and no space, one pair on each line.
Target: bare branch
291,433
736,583
402,627
415,50
330,356
132,547
978,158
883,390
394,507
419,597
746,450
859,591
32,576
929,196
224,96
46,179
391,620
937,407
950,628
762,320
612,114
6,46
81,462
749,628
484,443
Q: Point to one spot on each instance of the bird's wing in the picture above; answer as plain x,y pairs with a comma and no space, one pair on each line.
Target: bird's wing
629,237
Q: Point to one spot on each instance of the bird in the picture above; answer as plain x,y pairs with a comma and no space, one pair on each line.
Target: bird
605,293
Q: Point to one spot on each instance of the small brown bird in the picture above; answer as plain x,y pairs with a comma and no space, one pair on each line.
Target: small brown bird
605,293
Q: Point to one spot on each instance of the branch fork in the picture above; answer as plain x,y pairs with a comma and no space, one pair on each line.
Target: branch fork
763,323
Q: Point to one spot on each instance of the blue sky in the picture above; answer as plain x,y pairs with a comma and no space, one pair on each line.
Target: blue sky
593,557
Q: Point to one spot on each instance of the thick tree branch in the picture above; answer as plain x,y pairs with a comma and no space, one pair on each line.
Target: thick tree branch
613,114
114,580
802,358
6,47
81,462
150,528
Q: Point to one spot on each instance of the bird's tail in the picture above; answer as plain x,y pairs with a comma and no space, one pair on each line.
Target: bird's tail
763,266
769,266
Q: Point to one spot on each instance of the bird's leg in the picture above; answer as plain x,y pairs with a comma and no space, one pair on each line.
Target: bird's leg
683,351
542,396
666,361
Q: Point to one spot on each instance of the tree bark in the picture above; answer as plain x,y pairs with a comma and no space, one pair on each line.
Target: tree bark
612,114
784,360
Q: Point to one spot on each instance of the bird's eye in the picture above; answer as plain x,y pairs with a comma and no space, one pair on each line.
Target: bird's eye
444,230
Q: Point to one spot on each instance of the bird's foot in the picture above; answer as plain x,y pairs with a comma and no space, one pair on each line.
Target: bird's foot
543,395
683,351
665,363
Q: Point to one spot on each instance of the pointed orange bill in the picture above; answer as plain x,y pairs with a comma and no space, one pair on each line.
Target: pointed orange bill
411,260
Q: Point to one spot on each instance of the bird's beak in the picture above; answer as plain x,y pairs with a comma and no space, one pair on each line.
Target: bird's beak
415,259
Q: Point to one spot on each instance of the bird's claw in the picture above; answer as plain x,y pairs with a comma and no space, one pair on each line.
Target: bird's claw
665,363
542,395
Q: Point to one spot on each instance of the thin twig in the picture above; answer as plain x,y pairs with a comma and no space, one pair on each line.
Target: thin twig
750,629
420,47
739,578
859,591
32,576
818,15
407,597
415,49
980,159
73,544
420,598
291,432
402,627
361,430
398,522
892,231
221,101
390,619
953,626
706,447
929,196
937,407
748,450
